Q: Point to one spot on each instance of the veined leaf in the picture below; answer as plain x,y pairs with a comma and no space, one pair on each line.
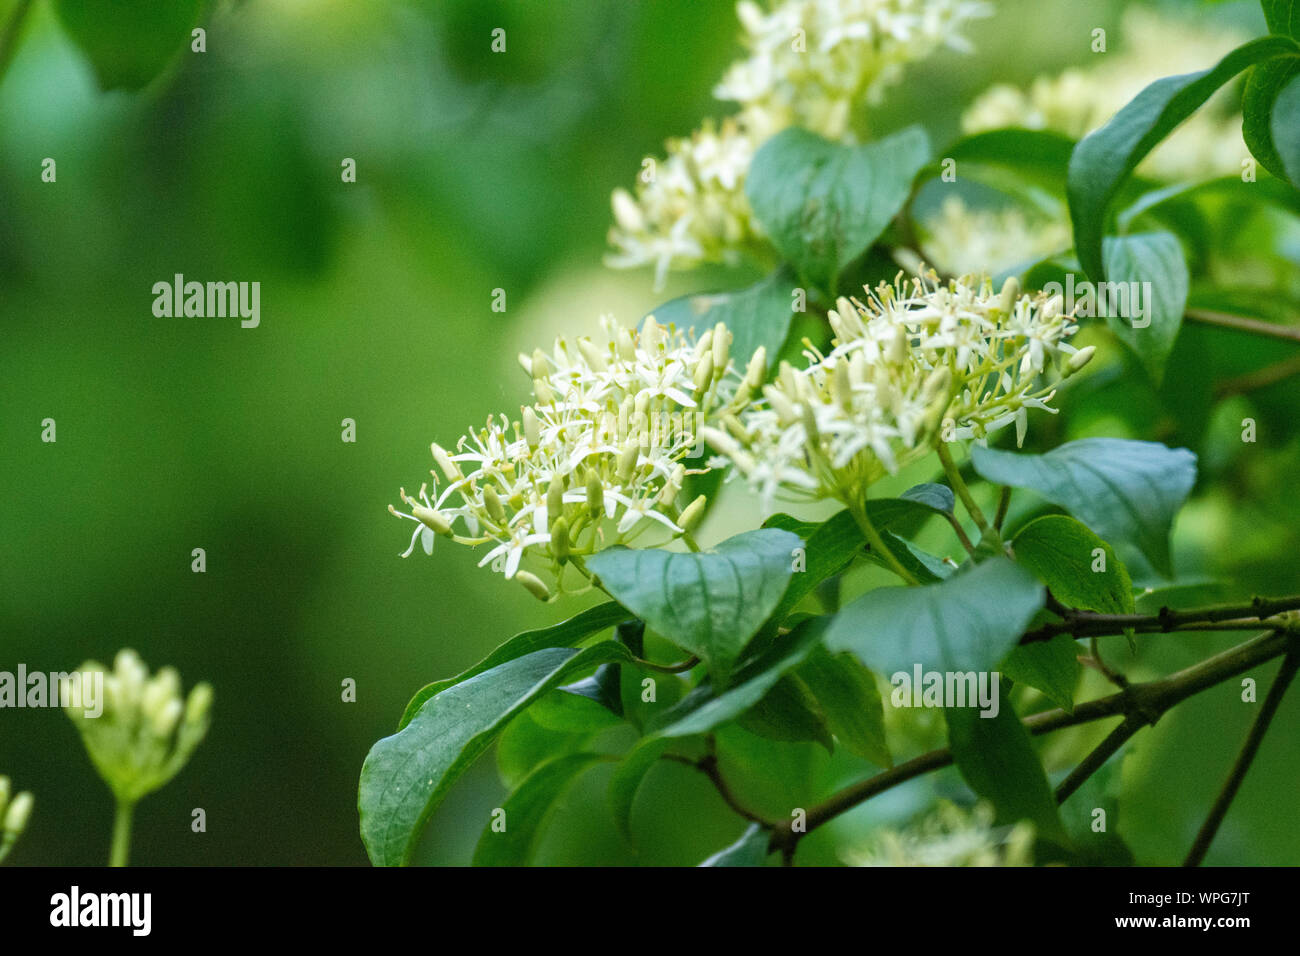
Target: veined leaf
1149,269
1081,569
850,700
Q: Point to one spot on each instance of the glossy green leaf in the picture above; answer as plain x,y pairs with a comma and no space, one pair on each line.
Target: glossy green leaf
527,811
1282,16
789,712
1081,569
1050,666
850,700
757,316
997,760
564,634
1123,490
968,622
710,603
749,850
405,776
1148,270
1105,157
602,687
823,204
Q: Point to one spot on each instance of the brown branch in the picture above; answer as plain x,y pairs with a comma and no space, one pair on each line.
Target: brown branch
1089,624
1241,323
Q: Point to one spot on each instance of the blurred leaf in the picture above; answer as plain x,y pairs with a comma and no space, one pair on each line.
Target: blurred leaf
1269,116
1105,157
405,776
1124,490
757,316
1062,554
129,42
1096,835
789,711
967,623
566,711
525,745
625,783
710,603
1154,261
527,811
749,850
823,204
850,699
564,634
1050,666
1037,156
998,761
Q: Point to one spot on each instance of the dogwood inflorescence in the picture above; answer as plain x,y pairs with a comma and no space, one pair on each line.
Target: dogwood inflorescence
147,730
951,836
808,63
600,457
915,363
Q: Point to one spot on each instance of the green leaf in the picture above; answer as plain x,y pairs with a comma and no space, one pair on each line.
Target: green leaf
749,850
967,623
1105,157
997,760
405,776
602,687
710,603
1063,554
757,316
1051,666
850,700
527,811
524,745
629,774
1151,263
1259,114
564,634
789,712
823,204
1124,490
574,713
1282,17
1285,126
1039,157
706,708
129,42
926,568
1096,836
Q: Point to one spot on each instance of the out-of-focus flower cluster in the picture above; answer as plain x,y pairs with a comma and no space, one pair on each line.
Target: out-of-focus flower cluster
147,731
1079,100
809,63
951,836
13,816
964,240
918,362
598,458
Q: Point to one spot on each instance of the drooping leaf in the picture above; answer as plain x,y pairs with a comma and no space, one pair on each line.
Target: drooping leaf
1038,157
1150,271
1105,157
850,699
564,634
710,603
1124,490
405,776
749,850
527,811
968,622
1081,569
757,316
1050,666
823,204
997,760
790,712
524,745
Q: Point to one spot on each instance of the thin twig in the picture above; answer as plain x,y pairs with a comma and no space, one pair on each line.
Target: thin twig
1260,378
1241,323
1089,624
1103,752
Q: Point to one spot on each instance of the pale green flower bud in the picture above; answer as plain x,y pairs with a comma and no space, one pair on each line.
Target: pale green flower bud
721,347
20,809
492,501
532,427
540,366
592,354
783,407
595,496
1010,292
560,538
693,514
842,384
756,371
4,794
555,498
704,372
534,585
433,520
626,347
443,460
198,705
627,462
652,335
1080,358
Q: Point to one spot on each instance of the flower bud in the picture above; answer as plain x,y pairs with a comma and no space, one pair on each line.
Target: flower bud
534,585
626,347
783,407
842,384
4,794
626,212
555,497
540,366
198,704
448,467
896,353
704,372
16,816
756,371
627,461
693,514
651,335
673,486
595,496
492,501
721,347
532,427
594,356
431,519
560,538
1010,292
1080,358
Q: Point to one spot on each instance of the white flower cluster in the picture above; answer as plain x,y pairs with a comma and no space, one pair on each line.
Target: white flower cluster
147,730
597,459
963,240
1079,100
917,363
951,836
810,63
13,816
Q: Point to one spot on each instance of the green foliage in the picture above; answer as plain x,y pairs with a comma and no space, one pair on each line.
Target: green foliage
129,42
526,812
1151,261
1080,568
749,850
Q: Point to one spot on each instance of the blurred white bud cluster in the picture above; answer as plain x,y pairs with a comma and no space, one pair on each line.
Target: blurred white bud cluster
960,239
918,362
1081,99
600,456
147,731
951,836
810,63
15,809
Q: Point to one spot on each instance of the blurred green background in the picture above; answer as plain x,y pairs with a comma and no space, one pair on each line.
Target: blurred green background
476,171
